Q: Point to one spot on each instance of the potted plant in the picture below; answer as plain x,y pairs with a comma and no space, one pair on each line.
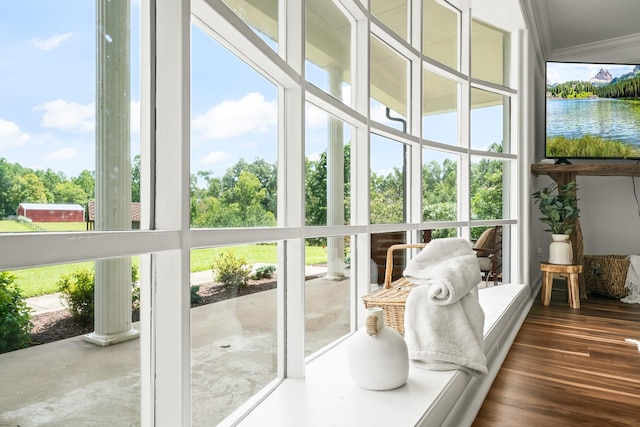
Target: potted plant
559,207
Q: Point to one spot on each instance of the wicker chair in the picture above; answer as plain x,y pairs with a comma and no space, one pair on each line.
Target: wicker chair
489,252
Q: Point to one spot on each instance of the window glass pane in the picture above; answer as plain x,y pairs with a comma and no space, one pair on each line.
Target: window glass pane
260,15
489,121
233,140
490,54
487,188
438,233
488,246
439,186
233,327
328,49
387,180
441,33
49,381
58,81
327,297
389,96
380,243
328,169
439,108
393,13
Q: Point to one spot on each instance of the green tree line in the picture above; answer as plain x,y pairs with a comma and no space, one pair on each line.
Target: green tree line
246,194
618,88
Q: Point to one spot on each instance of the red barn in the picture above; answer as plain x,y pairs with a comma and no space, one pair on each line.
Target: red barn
51,212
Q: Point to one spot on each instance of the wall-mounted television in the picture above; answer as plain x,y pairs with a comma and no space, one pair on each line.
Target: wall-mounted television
592,111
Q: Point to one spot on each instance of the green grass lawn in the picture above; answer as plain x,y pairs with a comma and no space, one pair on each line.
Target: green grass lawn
13,227
42,280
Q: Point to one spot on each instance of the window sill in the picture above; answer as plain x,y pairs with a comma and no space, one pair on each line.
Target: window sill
327,396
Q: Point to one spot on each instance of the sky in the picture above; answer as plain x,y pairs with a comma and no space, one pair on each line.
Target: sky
47,96
560,72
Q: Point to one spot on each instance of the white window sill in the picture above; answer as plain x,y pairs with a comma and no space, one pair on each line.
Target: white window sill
328,397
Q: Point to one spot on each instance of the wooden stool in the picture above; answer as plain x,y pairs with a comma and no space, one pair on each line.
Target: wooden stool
569,272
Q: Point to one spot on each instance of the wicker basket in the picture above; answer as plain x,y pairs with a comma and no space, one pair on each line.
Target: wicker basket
393,296
606,274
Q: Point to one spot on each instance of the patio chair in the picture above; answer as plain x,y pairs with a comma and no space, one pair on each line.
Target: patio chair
488,248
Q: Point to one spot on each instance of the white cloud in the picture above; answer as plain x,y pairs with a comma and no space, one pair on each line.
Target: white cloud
315,117
11,135
379,114
214,158
314,157
51,42
252,113
65,115
63,153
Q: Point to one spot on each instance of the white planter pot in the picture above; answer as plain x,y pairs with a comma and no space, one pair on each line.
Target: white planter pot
377,355
560,251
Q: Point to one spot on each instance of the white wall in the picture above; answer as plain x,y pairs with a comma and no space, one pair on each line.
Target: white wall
609,215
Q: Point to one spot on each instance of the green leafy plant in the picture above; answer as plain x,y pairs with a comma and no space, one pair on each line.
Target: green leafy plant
15,323
77,291
559,206
231,270
195,298
264,272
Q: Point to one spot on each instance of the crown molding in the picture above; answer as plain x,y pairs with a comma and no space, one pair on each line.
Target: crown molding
619,49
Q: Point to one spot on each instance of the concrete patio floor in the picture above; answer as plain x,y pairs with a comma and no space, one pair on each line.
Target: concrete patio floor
233,343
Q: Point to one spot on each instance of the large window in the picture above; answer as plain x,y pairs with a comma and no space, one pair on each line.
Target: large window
254,175
441,33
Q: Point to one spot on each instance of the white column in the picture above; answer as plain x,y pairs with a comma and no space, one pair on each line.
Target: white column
335,183
112,305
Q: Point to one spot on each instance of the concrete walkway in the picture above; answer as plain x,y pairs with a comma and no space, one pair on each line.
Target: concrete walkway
233,355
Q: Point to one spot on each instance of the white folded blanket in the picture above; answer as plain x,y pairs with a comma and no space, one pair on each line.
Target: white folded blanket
443,318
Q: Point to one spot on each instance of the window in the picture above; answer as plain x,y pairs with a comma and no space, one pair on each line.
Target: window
389,96
489,121
328,49
439,186
439,108
387,181
441,33
327,169
393,13
490,54
234,141
255,142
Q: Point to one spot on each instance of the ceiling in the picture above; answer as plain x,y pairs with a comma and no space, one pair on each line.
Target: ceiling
575,29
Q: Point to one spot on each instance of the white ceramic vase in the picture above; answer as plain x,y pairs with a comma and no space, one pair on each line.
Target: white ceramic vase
377,355
560,251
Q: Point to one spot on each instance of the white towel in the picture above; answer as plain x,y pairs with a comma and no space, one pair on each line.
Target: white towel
443,318
632,281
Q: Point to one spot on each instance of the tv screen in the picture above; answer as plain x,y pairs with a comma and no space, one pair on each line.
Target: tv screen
592,111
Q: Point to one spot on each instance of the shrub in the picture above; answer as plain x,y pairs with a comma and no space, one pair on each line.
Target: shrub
195,298
264,272
230,270
15,323
77,291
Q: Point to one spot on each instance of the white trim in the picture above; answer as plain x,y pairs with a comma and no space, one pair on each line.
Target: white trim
62,248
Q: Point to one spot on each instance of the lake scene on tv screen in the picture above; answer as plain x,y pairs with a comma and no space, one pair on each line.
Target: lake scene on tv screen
592,110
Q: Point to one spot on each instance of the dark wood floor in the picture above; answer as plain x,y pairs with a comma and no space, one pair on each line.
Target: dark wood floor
570,368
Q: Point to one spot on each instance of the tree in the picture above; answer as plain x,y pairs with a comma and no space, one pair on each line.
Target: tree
69,192
245,198
135,179
87,181
28,188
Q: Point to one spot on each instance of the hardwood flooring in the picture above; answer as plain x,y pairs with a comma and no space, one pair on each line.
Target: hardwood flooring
570,368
